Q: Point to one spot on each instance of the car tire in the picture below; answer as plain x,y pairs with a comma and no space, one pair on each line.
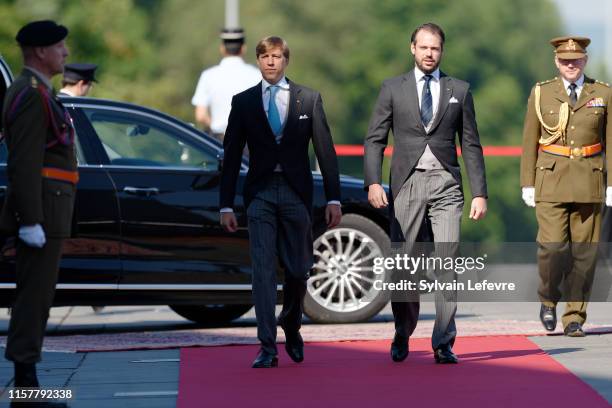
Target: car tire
364,239
209,315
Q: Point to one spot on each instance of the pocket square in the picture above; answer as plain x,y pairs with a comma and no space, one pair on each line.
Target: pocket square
303,117
453,100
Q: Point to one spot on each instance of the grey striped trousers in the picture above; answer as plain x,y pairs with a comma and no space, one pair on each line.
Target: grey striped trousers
429,198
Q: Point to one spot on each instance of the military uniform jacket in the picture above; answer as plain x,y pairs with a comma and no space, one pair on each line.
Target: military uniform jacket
35,123
568,179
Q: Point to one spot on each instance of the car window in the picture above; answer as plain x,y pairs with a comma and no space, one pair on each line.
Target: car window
130,139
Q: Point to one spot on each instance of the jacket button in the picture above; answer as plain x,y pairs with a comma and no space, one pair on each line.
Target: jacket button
573,127
571,142
541,167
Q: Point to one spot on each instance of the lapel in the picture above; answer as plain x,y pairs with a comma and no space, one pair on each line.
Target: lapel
292,113
410,89
446,92
585,94
560,92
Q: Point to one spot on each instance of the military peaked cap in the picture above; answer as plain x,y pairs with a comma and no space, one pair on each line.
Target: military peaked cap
80,71
570,47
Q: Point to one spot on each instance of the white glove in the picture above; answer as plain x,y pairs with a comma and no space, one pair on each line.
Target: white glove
529,196
32,235
609,197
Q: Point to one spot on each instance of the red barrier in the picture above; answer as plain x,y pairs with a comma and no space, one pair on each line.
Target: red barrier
494,151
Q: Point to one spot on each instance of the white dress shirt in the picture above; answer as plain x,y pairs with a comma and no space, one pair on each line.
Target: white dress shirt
217,86
579,85
67,92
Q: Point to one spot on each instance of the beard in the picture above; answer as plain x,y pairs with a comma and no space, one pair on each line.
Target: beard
424,69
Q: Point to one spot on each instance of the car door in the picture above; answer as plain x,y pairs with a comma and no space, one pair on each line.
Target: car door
167,178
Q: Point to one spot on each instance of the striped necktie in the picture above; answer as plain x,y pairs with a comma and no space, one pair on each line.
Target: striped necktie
426,101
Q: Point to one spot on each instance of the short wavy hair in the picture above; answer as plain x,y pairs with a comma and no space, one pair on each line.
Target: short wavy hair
270,42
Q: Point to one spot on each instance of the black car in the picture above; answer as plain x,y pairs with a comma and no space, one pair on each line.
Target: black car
146,227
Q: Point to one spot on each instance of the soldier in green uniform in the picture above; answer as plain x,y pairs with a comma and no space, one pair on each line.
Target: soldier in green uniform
567,126
42,173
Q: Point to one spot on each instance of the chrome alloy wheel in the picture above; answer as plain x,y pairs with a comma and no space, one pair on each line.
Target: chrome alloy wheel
342,279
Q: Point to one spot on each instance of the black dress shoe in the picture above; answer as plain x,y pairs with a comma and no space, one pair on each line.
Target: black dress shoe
265,360
399,348
574,329
444,355
294,345
25,375
548,317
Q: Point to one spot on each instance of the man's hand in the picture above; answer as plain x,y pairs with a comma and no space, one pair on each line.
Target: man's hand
33,235
609,197
333,215
479,208
529,196
228,220
377,196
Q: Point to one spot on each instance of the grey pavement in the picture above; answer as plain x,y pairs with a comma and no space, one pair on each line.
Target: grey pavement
149,378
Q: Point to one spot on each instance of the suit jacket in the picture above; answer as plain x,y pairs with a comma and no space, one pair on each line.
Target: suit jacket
559,178
31,129
249,124
397,108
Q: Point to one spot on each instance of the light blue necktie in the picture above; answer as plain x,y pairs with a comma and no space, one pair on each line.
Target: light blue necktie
273,115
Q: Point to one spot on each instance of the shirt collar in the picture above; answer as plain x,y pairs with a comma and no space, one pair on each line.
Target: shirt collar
67,92
579,82
40,76
283,84
418,74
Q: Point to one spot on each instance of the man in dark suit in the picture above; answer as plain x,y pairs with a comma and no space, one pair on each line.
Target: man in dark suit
277,118
42,173
426,109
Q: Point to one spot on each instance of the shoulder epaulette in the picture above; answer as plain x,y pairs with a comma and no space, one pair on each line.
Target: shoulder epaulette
602,83
547,82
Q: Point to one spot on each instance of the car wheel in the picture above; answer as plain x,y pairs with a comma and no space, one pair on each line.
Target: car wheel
211,314
340,288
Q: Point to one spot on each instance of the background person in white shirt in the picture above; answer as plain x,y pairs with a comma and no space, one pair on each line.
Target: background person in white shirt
217,85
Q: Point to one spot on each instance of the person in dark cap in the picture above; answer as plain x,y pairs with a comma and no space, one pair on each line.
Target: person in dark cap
78,79
217,85
42,178
566,131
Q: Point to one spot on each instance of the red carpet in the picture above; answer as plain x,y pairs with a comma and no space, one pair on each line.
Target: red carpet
504,371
